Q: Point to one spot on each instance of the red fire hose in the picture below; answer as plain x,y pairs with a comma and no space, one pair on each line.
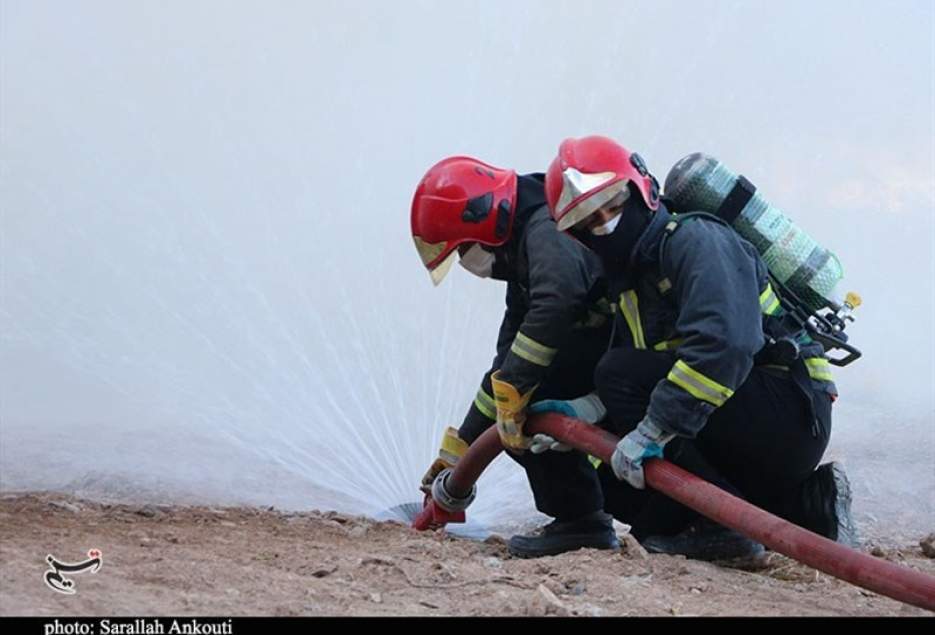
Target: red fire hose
874,574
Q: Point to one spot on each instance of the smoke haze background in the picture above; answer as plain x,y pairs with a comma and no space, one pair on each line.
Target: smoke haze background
208,290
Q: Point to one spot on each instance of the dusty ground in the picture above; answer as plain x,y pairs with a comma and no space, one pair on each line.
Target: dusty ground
245,561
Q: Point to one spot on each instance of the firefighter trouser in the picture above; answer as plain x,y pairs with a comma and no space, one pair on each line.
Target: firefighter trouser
761,445
564,484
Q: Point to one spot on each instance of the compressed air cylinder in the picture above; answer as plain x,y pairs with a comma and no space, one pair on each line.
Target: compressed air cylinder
701,183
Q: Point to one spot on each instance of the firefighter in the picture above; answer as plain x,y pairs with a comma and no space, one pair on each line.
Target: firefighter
556,327
707,369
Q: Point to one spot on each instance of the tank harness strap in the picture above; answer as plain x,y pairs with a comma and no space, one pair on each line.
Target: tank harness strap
674,224
736,200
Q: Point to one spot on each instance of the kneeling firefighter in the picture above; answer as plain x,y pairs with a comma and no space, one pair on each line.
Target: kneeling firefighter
555,329
706,369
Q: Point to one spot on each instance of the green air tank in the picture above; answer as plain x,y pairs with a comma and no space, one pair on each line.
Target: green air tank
701,183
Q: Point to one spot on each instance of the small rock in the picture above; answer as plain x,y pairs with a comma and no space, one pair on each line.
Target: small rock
553,604
357,532
631,548
555,587
877,551
578,589
69,507
428,605
323,573
376,598
928,545
147,511
494,539
373,560
341,519
493,562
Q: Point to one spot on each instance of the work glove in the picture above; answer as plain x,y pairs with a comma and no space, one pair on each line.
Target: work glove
645,442
588,409
511,413
453,448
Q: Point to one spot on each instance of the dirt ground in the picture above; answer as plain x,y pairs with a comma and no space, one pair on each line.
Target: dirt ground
170,560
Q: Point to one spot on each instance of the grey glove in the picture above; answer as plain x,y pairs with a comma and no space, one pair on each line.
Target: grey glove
645,442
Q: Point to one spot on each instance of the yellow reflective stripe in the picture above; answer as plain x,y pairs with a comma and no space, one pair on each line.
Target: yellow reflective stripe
631,311
769,301
485,404
593,460
697,385
819,368
668,345
532,351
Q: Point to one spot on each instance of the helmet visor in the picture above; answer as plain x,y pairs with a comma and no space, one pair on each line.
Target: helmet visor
439,271
614,194
434,258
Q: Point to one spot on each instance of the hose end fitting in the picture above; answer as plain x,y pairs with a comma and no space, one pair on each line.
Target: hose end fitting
446,500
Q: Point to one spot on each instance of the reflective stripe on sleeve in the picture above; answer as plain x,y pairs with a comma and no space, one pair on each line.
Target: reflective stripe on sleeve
485,404
532,351
698,385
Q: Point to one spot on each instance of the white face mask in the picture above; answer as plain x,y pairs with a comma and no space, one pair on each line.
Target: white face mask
608,227
478,261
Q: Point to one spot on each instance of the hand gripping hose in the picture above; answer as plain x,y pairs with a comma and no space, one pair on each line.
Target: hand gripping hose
900,583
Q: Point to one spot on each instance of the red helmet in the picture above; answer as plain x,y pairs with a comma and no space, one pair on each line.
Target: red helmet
588,173
461,200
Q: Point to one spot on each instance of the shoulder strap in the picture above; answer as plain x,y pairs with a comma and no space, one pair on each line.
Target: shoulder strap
673,225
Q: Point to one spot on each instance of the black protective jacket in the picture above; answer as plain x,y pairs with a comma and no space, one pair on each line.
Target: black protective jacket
696,287
555,297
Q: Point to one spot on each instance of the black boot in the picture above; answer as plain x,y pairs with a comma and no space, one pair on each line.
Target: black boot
593,531
706,540
826,505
